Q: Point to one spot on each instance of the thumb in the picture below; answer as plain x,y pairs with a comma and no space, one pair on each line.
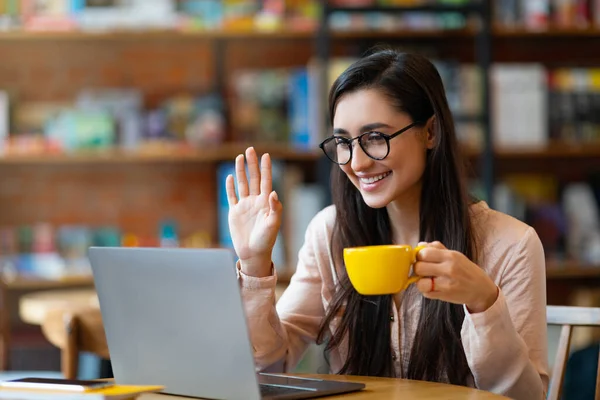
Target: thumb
274,203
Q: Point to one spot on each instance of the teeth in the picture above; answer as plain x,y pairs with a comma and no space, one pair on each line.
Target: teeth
374,179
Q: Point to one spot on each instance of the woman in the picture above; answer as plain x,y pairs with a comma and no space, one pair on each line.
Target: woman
477,318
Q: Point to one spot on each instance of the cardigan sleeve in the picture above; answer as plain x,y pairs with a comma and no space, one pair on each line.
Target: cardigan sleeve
280,333
506,345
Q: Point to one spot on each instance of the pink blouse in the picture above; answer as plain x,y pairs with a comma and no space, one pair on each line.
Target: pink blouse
505,346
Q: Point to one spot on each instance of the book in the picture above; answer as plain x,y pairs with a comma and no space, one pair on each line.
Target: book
4,120
117,392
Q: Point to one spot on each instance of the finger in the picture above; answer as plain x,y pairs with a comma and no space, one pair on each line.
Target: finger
434,285
230,189
438,245
274,203
266,183
421,244
275,209
253,171
426,284
424,268
432,254
240,172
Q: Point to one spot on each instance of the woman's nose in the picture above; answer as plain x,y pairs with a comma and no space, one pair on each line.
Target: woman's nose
360,160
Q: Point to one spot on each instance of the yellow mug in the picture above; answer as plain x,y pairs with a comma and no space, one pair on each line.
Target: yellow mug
381,269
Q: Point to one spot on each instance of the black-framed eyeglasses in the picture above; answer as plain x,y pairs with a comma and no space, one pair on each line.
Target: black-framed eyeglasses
376,145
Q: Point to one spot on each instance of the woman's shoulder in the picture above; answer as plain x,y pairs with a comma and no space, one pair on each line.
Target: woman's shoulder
497,226
500,236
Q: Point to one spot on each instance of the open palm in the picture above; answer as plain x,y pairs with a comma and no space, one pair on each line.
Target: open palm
254,217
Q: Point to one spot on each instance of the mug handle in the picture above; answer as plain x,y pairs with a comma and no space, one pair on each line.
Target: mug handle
416,251
414,278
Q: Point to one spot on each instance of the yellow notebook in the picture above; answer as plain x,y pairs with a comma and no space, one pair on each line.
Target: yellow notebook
117,392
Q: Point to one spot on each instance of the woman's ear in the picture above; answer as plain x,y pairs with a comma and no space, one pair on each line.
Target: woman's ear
431,132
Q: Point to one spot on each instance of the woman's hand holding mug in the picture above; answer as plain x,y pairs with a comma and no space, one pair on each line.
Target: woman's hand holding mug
254,216
450,276
439,273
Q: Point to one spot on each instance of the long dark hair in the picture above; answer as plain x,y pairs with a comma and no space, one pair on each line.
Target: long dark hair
414,86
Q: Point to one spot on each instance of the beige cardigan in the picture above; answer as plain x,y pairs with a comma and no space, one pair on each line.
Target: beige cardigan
505,346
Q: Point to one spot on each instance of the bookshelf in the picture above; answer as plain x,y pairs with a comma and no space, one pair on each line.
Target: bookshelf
260,48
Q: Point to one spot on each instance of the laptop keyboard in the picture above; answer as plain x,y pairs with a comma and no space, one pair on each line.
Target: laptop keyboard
270,390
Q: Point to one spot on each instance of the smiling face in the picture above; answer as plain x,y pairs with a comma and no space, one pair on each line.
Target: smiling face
396,177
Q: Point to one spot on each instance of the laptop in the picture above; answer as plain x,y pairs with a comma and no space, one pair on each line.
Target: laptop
174,317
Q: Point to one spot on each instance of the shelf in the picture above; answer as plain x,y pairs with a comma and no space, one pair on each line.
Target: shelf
556,270
289,34
226,152
281,34
504,32
555,150
23,283
156,34
426,33
427,8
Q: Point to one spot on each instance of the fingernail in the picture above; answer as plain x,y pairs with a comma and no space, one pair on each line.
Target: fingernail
276,197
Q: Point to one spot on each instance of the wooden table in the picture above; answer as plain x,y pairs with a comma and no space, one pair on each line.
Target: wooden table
388,389
70,320
11,290
34,307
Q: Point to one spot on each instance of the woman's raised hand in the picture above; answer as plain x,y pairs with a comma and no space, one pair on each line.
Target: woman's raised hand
254,217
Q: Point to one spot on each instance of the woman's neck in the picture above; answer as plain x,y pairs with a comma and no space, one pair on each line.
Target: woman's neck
404,218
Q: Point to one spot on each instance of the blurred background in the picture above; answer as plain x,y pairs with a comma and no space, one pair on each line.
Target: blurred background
119,120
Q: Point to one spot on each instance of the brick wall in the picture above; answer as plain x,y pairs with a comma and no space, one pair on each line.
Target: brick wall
134,197
57,70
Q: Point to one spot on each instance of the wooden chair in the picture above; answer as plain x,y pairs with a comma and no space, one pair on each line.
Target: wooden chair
568,317
74,331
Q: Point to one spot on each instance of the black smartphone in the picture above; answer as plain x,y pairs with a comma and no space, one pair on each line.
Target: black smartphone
72,385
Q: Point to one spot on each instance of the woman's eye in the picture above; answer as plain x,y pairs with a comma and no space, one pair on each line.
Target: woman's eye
374,138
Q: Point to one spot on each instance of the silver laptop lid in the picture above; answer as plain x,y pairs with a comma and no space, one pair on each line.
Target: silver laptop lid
174,317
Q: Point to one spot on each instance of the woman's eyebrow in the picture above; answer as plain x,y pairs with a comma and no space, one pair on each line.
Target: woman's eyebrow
340,131
364,128
373,126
